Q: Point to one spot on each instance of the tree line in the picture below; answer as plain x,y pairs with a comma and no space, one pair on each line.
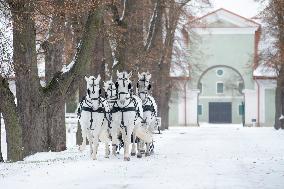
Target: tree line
97,37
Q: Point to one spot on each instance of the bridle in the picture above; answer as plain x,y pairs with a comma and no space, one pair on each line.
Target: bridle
145,91
112,89
124,79
145,105
93,85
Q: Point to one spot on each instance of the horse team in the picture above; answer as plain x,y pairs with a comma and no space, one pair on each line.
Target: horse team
120,114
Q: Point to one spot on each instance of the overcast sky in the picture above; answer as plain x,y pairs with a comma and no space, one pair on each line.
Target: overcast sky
246,8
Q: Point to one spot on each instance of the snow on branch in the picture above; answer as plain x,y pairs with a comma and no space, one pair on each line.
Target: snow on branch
152,26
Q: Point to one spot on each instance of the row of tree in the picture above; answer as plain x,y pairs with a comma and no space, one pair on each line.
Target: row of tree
96,37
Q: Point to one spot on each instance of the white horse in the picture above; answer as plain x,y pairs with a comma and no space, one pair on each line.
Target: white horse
149,109
111,97
94,117
126,113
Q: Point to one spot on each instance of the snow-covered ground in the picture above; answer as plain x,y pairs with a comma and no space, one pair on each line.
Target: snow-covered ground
208,157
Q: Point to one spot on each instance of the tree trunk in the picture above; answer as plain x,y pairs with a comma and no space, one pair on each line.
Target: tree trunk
12,122
172,18
54,51
278,113
33,100
82,92
98,63
279,98
1,156
29,101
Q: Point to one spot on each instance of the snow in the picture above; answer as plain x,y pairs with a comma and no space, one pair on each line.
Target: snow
6,41
3,139
68,67
211,156
264,70
113,46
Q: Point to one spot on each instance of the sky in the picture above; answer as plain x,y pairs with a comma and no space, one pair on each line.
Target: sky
246,8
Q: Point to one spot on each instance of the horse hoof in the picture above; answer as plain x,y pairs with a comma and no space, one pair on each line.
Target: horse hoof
133,153
147,154
139,156
94,158
142,151
126,158
107,157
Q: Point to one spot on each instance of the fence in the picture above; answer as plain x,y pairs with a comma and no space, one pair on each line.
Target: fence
71,123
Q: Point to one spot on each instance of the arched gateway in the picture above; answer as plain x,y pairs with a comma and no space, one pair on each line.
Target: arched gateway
220,98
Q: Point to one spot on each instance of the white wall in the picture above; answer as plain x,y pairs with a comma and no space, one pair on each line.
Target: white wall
250,105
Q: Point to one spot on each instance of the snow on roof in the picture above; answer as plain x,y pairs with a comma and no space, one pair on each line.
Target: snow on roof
264,70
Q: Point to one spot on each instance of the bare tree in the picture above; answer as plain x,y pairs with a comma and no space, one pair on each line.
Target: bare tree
273,55
32,98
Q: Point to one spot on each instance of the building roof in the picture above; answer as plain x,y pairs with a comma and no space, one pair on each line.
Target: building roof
264,71
223,18
220,21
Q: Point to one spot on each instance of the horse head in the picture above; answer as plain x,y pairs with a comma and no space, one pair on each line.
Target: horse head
143,84
123,84
110,90
93,86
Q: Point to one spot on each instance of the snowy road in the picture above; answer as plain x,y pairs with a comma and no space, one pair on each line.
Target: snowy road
196,158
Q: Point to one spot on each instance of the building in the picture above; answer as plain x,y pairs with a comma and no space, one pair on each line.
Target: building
228,86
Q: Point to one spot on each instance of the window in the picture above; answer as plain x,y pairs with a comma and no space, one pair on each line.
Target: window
220,88
220,72
199,109
241,109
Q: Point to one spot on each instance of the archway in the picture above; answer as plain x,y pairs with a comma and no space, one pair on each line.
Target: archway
221,99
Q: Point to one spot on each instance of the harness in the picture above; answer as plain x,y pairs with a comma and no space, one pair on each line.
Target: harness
116,108
90,109
149,107
111,92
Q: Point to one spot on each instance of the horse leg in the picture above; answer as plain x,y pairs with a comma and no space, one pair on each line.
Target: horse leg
107,150
127,139
133,149
84,136
142,144
139,155
95,145
114,131
105,138
147,153
90,139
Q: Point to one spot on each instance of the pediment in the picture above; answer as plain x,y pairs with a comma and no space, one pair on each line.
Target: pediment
223,18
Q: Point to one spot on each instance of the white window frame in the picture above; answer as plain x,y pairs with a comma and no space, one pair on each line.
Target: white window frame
217,87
